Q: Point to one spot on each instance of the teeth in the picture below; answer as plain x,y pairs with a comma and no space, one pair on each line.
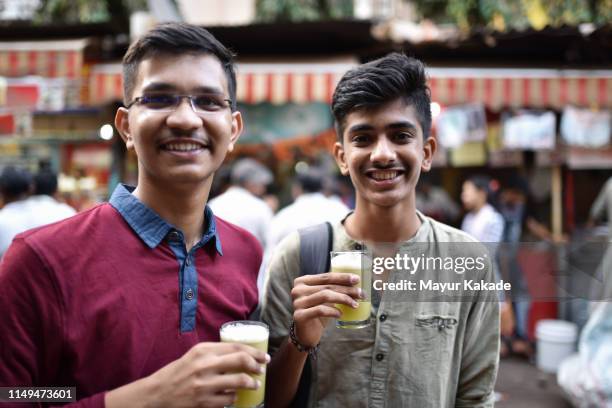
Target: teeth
182,147
384,175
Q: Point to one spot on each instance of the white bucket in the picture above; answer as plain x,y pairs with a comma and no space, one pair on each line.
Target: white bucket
556,341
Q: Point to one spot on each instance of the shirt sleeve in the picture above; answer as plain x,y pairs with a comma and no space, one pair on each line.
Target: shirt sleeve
480,358
31,324
277,305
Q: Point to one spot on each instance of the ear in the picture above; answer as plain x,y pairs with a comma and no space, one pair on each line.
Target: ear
340,157
237,127
429,149
122,125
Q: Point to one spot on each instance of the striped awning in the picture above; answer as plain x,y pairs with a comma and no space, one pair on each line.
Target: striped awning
284,83
48,59
315,82
516,88
256,82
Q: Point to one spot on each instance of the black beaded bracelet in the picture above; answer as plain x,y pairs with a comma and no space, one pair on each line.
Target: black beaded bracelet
312,351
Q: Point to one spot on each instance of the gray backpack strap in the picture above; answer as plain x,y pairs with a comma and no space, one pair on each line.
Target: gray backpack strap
316,243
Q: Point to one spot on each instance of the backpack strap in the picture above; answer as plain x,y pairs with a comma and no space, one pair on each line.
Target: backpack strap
316,244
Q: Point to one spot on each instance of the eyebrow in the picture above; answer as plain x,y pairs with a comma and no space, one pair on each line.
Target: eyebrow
164,86
394,125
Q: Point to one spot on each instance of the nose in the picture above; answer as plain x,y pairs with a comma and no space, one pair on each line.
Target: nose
184,116
383,152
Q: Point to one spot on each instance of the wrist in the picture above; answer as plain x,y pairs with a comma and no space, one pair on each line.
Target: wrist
311,350
136,394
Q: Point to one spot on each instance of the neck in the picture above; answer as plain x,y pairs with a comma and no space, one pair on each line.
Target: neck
374,223
479,207
181,206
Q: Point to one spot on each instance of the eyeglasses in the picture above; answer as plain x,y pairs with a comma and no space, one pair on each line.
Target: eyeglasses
201,103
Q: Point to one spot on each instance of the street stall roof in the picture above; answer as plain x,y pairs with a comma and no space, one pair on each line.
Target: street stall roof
273,82
497,88
49,59
501,88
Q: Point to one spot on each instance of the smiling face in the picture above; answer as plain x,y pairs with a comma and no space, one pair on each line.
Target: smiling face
383,152
179,146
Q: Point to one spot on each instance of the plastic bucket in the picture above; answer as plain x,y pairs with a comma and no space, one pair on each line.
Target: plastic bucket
556,340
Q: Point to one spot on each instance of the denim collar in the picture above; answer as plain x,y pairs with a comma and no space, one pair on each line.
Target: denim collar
149,226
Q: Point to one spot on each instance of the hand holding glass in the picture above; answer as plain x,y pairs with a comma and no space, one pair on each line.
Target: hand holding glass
254,334
353,262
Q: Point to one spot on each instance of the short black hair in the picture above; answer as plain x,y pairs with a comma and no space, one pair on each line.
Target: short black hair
15,182
486,184
384,80
45,183
311,180
176,39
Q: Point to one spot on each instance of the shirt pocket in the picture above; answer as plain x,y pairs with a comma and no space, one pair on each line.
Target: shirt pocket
432,337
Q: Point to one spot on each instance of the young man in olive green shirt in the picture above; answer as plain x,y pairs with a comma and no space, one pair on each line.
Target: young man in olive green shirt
422,353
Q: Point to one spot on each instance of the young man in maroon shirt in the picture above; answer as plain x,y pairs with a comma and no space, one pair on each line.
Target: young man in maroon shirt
124,301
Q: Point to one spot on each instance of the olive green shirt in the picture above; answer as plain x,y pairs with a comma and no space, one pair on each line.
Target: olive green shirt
405,358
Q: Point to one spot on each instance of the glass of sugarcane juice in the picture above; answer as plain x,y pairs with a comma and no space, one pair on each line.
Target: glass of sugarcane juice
353,262
254,334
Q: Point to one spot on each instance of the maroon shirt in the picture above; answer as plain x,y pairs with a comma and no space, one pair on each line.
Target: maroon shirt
86,302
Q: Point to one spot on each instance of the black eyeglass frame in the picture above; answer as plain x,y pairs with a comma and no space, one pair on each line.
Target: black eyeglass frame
138,99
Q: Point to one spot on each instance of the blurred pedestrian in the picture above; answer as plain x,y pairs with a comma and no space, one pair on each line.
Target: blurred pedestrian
486,224
482,221
514,207
44,207
310,207
16,185
241,204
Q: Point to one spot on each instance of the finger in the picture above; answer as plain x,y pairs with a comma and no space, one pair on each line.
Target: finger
240,362
324,297
229,383
306,290
219,400
207,349
316,312
330,278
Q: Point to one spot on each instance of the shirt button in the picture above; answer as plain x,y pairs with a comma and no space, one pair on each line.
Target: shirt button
382,317
189,294
173,236
188,261
380,357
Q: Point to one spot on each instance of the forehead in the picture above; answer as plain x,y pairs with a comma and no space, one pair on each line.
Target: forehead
184,73
393,112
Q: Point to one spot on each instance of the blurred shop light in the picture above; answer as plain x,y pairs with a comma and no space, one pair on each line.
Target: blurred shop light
435,110
301,167
106,132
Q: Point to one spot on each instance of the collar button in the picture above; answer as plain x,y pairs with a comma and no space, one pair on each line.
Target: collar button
173,236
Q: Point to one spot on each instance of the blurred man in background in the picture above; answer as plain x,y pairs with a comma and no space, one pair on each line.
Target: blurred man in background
310,207
241,203
15,186
44,207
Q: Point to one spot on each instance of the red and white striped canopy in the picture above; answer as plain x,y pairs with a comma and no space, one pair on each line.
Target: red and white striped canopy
274,83
315,82
515,88
50,59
